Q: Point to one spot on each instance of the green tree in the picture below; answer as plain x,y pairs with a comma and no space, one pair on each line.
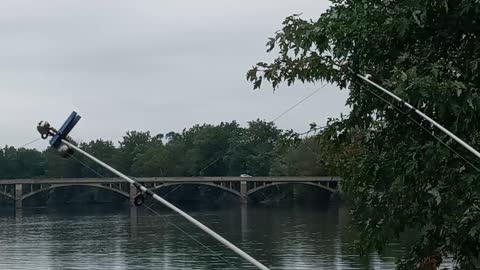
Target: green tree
176,150
103,150
155,161
59,167
207,147
31,163
133,144
3,164
21,163
250,150
397,176
302,159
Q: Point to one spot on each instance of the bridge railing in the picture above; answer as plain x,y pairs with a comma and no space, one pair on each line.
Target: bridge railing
172,179
20,189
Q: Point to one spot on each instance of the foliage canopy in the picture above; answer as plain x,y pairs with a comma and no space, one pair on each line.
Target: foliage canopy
396,175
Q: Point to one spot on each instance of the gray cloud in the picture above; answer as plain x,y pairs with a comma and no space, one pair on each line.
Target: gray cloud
145,65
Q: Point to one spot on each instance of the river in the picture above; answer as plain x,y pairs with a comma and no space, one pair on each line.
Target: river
282,237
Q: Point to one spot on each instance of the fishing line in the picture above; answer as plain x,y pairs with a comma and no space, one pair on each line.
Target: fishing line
298,103
88,167
146,191
424,128
118,186
275,119
187,234
37,139
171,191
366,78
163,218
314,130
344,67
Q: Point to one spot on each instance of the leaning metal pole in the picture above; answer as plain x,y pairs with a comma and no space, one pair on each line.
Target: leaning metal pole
345,66
366,78
172,207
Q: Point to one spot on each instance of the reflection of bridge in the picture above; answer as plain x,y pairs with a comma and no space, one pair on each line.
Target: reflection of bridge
20,189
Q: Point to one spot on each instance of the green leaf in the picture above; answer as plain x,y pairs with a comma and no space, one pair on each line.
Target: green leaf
436,195
470,103
459,92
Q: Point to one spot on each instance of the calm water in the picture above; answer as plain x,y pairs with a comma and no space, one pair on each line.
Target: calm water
292,237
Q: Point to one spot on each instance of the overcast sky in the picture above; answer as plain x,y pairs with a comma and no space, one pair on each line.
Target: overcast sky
145,65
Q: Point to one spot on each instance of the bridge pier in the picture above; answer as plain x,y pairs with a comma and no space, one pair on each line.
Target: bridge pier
133,222
18,214
18,195
131,195
244,221
243,192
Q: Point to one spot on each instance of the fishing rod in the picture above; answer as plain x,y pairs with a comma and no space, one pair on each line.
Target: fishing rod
59,141
367,78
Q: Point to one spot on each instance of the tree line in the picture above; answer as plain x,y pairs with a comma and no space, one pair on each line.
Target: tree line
226,149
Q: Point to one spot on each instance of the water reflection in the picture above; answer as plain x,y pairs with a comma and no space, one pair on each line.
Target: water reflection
292,237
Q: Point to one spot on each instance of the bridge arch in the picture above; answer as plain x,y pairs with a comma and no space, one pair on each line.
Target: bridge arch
233,191
7,195
318,185
30,194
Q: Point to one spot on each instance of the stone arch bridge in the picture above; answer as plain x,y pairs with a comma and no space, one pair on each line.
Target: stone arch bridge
243,187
